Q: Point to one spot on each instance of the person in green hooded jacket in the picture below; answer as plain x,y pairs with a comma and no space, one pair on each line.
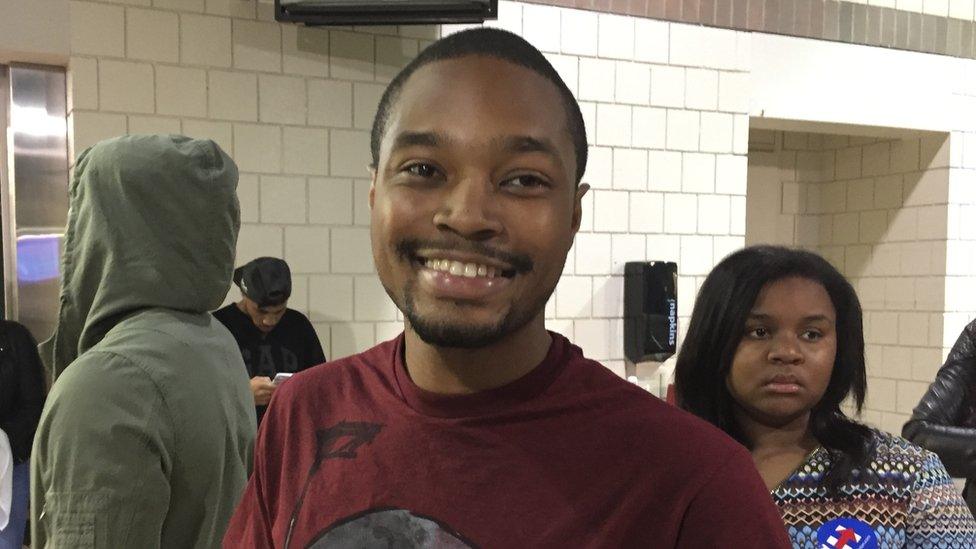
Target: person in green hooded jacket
146,436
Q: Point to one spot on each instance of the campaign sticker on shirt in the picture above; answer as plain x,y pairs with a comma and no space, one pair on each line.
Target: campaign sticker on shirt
847,533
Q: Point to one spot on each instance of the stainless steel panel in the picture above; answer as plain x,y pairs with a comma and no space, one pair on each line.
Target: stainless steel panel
6,239
36,196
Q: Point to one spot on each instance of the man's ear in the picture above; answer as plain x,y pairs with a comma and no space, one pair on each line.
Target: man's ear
581,190
372,186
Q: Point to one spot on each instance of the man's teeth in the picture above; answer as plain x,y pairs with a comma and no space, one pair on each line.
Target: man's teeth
456,268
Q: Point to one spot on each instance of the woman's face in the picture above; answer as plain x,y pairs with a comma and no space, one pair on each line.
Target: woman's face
783,363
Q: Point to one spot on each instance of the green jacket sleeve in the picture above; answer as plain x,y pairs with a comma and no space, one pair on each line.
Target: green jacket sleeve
102,458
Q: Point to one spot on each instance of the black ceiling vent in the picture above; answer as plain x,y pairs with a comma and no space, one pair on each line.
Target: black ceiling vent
385,12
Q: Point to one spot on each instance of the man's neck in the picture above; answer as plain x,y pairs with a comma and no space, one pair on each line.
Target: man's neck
455,371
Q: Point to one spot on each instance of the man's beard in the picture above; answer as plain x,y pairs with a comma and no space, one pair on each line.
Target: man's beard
457,334
453,332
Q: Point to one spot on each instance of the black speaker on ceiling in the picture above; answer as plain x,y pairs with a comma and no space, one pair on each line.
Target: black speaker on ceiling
650,310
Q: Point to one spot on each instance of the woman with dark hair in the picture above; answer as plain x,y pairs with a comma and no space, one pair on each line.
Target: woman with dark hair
22,391
774,346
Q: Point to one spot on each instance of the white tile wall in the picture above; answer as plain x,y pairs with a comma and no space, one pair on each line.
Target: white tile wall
305,51
257,45
97,29
665,106
307,248
613,125
701,89
578,31
880,211
630,169
544,33
305,151
633,83
351,251
152,35
181,91
667,86
281,99
153,124
593,251
664,170
283,200
233,96
330,298
680,213
596,79
615,36
698,173
683,130
206,40
126,87
257,148
650,127
651,41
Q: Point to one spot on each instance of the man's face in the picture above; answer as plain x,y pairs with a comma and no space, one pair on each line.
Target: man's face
264,318
474,204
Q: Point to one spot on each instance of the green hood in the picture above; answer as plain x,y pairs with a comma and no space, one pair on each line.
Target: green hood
152,222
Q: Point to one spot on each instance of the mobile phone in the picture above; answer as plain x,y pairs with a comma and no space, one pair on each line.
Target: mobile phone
281,377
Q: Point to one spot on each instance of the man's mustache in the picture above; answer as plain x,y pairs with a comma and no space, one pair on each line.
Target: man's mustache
407,249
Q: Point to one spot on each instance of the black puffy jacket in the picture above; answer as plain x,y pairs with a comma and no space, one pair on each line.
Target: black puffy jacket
22,388
945,419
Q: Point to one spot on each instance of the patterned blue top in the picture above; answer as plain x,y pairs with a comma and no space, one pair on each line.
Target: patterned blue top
905,498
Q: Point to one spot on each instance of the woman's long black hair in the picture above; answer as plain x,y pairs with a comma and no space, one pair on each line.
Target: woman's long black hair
718,324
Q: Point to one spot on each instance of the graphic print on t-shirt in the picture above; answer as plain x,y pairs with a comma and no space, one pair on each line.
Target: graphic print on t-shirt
268,360
374,528
384,528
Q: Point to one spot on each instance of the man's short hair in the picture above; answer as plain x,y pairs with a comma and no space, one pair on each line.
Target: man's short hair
487,42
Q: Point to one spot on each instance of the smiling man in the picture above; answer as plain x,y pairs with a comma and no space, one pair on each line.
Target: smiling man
477,427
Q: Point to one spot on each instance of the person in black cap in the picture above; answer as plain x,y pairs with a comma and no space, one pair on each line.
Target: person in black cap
273,338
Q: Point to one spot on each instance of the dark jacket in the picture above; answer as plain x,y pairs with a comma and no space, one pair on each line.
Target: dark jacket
21,388
945,419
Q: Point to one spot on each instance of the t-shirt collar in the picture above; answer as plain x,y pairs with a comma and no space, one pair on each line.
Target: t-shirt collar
499,399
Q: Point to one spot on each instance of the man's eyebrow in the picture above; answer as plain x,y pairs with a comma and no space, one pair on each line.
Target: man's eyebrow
528,144
417,139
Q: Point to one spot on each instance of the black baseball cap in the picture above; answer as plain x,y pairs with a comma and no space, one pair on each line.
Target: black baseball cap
265,280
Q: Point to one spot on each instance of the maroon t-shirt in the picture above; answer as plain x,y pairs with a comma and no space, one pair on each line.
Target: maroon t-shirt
570,455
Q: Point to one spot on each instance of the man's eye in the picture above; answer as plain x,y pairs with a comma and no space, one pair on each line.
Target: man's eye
525,181
421,169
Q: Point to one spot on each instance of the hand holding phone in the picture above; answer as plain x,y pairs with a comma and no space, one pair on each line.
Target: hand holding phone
281,377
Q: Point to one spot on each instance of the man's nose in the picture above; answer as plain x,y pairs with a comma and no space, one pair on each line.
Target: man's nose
469,209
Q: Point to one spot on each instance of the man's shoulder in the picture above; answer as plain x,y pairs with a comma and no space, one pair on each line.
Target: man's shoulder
655,426
295,320
228,314
359,371
225,310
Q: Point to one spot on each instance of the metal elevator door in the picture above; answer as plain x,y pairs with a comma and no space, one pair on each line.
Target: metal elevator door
33,193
